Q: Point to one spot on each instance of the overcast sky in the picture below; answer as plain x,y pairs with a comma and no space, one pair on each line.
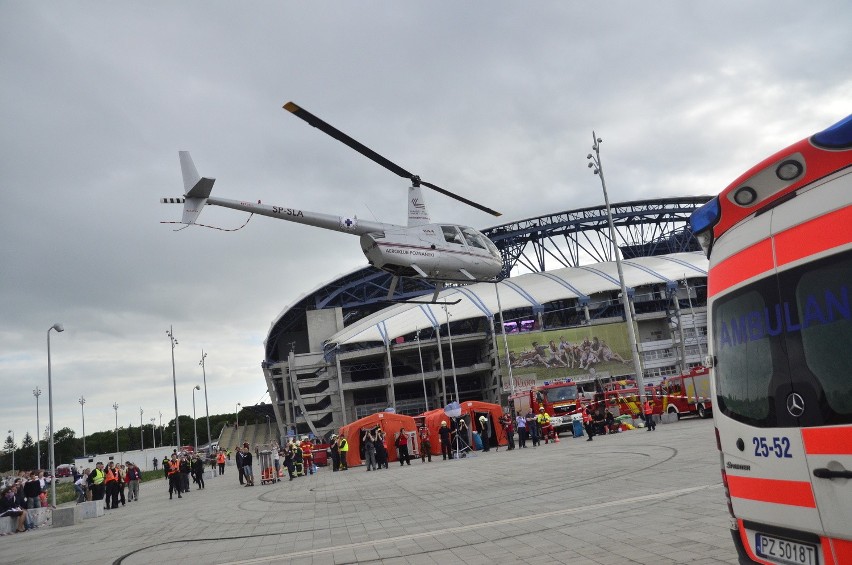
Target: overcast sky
494,100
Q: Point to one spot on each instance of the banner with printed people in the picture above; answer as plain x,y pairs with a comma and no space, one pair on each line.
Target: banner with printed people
574,352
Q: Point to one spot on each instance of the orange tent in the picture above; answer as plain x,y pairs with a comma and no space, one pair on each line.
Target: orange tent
471,410
389,422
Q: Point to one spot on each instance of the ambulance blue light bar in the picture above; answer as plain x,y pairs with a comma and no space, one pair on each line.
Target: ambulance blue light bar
702,221
838,136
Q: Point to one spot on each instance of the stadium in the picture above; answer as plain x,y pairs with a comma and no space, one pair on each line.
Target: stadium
341,351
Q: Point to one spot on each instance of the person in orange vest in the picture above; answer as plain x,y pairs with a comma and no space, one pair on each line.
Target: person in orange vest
174,475
111,485
648,408
220,460
307,455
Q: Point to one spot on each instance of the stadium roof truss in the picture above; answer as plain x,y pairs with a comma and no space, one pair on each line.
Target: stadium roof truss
574,238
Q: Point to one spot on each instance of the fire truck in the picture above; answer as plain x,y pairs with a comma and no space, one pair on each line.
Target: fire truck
687,394
624,399
561,399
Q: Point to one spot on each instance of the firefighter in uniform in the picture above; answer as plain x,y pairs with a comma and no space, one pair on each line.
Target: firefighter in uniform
543,422
307,455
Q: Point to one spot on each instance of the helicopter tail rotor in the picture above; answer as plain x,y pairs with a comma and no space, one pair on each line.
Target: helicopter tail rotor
416,181
197,189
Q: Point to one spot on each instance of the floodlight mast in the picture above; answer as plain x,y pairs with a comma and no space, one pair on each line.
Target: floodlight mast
595,164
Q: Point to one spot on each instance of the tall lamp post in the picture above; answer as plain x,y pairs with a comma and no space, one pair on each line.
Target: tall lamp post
37,393
206,405
59,328
174,381
141,435
422,374
238,422
595,164
153,434
115,407
452,359
82,401
194,427
13,449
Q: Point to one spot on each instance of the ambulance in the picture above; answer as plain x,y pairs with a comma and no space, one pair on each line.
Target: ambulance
779,241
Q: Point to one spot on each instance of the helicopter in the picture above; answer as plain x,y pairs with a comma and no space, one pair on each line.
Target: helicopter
436,252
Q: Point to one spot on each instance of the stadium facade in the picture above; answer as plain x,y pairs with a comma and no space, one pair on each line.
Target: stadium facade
341,352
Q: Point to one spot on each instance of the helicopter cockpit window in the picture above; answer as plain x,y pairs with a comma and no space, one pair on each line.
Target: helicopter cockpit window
473,239
477,239
452,235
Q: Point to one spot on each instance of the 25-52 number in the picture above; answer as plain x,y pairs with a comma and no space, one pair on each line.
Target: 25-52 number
777,446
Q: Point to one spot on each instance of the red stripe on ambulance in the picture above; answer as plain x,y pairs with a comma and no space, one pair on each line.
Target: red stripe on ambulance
790,493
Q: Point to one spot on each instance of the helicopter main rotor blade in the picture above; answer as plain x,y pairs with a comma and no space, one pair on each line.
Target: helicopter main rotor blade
445,192
300,112
327,128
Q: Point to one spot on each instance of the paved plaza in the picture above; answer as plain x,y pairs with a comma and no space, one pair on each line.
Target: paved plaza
633,497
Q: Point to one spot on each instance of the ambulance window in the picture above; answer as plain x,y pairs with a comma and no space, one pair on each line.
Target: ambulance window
823,300
744,361
451,235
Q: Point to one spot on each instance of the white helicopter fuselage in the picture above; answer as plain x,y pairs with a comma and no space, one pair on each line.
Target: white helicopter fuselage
445,252
439,252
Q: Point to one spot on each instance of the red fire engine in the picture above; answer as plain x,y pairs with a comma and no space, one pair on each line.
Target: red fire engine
687,394
561,399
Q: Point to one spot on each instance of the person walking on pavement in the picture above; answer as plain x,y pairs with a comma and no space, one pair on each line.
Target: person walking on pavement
198,471
220,460
446,438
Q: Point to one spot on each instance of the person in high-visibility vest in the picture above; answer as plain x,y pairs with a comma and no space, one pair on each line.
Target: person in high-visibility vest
543,421
648,408
174,476
343,449
220,460
111,483
96,481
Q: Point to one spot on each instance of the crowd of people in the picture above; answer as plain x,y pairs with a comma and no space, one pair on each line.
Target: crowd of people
25,492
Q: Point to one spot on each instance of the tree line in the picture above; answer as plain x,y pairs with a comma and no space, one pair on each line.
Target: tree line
67,446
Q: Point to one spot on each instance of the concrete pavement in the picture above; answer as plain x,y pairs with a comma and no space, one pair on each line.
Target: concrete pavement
634,497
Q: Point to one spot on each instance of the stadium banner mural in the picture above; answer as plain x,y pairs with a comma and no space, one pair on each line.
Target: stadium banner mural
577,353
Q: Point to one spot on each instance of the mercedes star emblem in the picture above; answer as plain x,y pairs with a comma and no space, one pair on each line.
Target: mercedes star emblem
795,405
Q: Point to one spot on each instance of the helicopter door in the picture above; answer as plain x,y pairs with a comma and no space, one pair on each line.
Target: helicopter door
455,256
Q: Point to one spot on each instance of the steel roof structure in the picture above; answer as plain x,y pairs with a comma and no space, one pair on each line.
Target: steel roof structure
566,239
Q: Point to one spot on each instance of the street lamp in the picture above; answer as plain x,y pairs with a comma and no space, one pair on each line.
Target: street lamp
82,401
238,422
161,429
141,436
37,393
206,405
452,359
115,407
13,450
153,435
595,165
422,374
59,328
174,380
194,427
